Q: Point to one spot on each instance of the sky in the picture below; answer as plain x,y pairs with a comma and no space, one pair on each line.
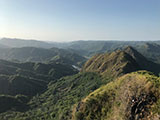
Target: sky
69,20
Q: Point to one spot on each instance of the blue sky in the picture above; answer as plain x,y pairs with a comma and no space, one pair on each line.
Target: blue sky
68,20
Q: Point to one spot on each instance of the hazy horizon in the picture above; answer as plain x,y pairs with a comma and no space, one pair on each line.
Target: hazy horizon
50,41
62,21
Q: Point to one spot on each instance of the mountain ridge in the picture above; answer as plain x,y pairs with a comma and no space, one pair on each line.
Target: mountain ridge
120,62
33,54
133,96
15,42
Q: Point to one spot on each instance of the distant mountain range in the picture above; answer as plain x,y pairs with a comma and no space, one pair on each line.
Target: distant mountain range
88,48
24,43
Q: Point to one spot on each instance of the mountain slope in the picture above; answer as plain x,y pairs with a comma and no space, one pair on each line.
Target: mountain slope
143,62
90,48
30,78
9,102
134,96
120,62
151,51
42,55
16,84
61,95
113,64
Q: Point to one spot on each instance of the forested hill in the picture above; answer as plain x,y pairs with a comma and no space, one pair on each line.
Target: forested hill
34,54
30,78
120,62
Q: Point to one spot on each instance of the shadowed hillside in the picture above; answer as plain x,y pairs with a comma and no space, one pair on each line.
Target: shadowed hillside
143,62
151,51
18,103
30,78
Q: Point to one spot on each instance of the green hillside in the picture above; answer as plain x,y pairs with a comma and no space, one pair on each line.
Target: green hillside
56,70
113,64
134,96
33,54
30,78
120,62
13,103
59,98
16,84
151,51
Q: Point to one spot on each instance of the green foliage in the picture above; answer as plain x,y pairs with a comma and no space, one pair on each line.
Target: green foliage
79,116
120,62
17,103
115,100
33,54
58,100
66,92
156,108
111,64
30,78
